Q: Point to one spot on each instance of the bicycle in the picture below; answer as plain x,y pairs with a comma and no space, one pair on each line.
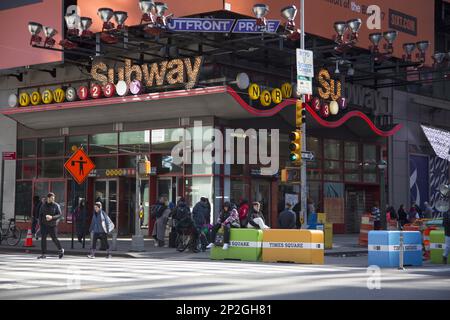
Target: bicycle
12,234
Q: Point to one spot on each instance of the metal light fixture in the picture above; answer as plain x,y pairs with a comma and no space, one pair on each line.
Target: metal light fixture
375,38
260,11
85,24
35,28
390,37
351,71
438,58
161,18
341,28
423,47
337,71
49,34
120,17
289,13
146,7
72,22
408,48
355,26
106,14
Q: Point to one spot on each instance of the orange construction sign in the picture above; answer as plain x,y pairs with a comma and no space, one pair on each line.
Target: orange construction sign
79,166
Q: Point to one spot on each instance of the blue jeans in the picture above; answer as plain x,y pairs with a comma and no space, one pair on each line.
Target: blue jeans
447,246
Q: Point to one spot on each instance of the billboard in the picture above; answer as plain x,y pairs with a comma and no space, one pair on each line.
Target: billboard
14,36
413,19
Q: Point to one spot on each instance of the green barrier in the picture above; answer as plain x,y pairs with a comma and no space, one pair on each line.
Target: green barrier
245,245
437,242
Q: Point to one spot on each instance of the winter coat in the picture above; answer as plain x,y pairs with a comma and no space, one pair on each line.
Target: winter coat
250,219
413,215
231,217
50,209
376,214
402,216
99,223
199,213
286,219
243,212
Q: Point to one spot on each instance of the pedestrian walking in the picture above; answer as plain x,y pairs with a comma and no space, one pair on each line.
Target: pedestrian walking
161,212
80,219
35,216
446,224
376,216
402,216
287,218
49,214
228,218
101,226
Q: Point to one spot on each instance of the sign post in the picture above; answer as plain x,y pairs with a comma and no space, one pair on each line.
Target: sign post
6,155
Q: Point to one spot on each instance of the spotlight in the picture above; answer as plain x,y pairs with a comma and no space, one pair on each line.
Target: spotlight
340,27
106,14
351,71
354,26
260,11
423,47
408,48
337,71
438,58
375,39
49,34
35,28
120,17
161,19
289,13
72,22
146,7
85,24
390,36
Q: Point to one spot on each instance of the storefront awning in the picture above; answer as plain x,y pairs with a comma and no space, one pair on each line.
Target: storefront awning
210,101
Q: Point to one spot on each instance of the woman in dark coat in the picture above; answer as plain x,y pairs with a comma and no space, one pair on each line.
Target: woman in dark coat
80,219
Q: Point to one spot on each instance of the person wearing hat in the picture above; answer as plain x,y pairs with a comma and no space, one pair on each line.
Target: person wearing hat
286,219
49,214
256,218
229,218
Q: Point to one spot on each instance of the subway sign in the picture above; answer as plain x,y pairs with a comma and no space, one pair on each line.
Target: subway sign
121,81
268,96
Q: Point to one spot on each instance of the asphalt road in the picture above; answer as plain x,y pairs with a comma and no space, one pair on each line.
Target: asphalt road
22,276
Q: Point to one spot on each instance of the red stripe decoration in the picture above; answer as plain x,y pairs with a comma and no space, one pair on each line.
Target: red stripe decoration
322,122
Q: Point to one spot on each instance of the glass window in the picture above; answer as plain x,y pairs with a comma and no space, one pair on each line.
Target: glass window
103,143
127,161
314,169
332,171
352,172
314,192
135,142
51,168
26,148
28,169
105,162
76,141
332,149
370,173
19,169
370,153
166,139
197,187
41,189
313,144
58,188
351,151
23,203
239,190
51,147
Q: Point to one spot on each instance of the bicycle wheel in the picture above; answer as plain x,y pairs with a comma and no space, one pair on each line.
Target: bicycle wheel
13,236
183,241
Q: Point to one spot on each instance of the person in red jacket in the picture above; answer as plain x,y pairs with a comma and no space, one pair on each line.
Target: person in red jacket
243,213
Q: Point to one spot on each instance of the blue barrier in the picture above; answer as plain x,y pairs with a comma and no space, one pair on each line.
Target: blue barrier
384,248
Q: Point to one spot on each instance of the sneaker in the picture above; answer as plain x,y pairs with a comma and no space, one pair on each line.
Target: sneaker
225,246
108,256
61,254
90,256
209,246
42,256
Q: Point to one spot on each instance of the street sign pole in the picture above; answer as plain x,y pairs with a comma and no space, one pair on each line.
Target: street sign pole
303,165
137,243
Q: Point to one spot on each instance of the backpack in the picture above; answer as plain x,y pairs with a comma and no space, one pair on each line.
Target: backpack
181,213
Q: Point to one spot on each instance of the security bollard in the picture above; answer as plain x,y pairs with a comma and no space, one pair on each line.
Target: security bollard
114,241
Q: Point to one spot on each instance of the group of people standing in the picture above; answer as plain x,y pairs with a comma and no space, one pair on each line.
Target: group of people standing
402,216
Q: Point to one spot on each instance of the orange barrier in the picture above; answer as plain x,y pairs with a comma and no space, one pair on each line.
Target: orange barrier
29,239
426,242
366,226
410,227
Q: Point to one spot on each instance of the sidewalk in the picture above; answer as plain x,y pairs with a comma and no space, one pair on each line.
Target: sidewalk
343,245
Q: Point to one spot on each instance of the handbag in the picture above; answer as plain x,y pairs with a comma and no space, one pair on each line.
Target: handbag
219,238
109,224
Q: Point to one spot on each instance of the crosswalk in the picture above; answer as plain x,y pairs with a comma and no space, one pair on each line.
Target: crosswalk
25,277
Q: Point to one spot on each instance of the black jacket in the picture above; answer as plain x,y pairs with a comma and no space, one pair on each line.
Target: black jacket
446,224
402,216
199,213
253,215
36,209
286,220
52,209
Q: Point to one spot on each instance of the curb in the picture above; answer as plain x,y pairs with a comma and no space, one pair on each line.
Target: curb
35,250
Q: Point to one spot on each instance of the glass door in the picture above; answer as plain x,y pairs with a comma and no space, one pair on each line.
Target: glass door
164,188
261,193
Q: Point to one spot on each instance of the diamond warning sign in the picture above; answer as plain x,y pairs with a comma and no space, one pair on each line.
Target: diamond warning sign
79,166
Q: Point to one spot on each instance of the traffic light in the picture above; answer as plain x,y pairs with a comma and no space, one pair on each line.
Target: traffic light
295,146
300,114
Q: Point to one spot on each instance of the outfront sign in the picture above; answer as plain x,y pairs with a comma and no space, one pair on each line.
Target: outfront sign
201,25
250,26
